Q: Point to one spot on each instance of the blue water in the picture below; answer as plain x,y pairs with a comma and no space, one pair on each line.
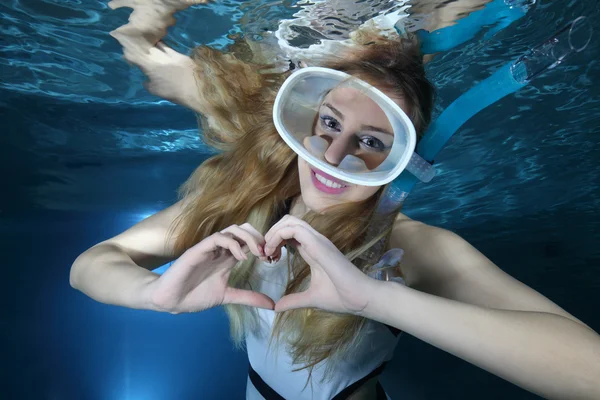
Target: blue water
85,153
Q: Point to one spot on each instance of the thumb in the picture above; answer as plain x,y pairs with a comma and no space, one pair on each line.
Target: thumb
292,301
248,298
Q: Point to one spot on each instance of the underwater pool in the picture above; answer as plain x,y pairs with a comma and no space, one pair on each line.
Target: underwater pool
86,152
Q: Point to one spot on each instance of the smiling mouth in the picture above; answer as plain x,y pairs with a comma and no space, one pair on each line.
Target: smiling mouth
323,182
325,176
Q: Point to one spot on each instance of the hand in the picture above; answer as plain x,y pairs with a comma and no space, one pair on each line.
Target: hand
335,284
149,20
198,279
170,74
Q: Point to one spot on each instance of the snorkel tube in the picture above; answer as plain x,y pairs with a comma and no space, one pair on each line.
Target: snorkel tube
573,38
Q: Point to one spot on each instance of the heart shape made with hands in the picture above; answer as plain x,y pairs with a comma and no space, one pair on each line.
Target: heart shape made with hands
335,284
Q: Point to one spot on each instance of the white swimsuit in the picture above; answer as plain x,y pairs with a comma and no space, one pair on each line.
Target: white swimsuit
275,368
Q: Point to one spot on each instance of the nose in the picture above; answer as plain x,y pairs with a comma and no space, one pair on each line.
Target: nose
339,147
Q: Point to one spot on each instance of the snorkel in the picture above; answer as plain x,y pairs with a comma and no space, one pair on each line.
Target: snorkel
573,38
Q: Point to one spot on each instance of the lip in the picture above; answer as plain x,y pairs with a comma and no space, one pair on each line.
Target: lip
325,189
327,176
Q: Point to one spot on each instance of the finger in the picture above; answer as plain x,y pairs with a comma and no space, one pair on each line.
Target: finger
248,235
302,239
286,220
270,241
293,301
229,243
287,233
247,226
240,241
236,249
130,39
283,221
162,46
247,297
114,4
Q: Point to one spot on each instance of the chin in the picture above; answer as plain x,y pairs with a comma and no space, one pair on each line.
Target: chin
314,199
317,201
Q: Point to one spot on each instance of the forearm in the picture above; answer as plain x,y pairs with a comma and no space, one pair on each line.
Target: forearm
544,353
171,75
108,275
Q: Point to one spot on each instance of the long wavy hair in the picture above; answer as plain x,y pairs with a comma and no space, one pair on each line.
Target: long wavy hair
256,173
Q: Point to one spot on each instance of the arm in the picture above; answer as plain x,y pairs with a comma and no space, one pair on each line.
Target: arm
171,75
512,331
228,92
540,352
117,271
470,308
440,262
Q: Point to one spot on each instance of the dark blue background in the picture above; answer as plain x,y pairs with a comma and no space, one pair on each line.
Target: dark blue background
85,153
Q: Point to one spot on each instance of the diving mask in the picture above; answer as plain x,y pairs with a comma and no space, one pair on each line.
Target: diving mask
316,114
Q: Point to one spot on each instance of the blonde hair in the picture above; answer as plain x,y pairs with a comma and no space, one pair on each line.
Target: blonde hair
256,173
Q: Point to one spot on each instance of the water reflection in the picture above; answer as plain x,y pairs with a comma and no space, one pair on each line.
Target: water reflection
278,31
432,15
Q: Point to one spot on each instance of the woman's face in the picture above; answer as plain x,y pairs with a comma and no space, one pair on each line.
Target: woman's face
352,124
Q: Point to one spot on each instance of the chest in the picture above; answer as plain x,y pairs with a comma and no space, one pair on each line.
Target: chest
271,278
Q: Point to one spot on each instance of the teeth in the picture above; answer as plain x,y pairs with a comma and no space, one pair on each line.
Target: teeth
328,183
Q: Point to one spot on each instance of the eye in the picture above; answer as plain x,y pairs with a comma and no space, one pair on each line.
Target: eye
330,123
373,143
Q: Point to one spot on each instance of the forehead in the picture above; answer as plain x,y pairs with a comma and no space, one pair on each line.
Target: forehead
353,103
351,94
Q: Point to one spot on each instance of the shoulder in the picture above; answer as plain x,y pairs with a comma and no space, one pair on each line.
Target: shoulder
408,232
429,251
440,262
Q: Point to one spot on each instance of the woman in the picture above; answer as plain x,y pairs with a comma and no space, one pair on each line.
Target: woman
257,197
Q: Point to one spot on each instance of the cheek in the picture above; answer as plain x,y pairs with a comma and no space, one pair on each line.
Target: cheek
303,171
374,160
360,193
301,167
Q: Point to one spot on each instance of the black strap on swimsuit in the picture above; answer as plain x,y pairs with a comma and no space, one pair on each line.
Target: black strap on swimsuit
395,331
269,393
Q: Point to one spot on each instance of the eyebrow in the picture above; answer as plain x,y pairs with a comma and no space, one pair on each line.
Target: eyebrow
339,114
335,111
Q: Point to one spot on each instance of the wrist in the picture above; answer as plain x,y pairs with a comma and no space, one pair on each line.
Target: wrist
145,290
372,288
382,298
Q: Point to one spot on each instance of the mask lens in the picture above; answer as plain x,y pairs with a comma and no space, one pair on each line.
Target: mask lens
342,126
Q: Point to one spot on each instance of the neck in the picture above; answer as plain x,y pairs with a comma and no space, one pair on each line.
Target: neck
298,208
